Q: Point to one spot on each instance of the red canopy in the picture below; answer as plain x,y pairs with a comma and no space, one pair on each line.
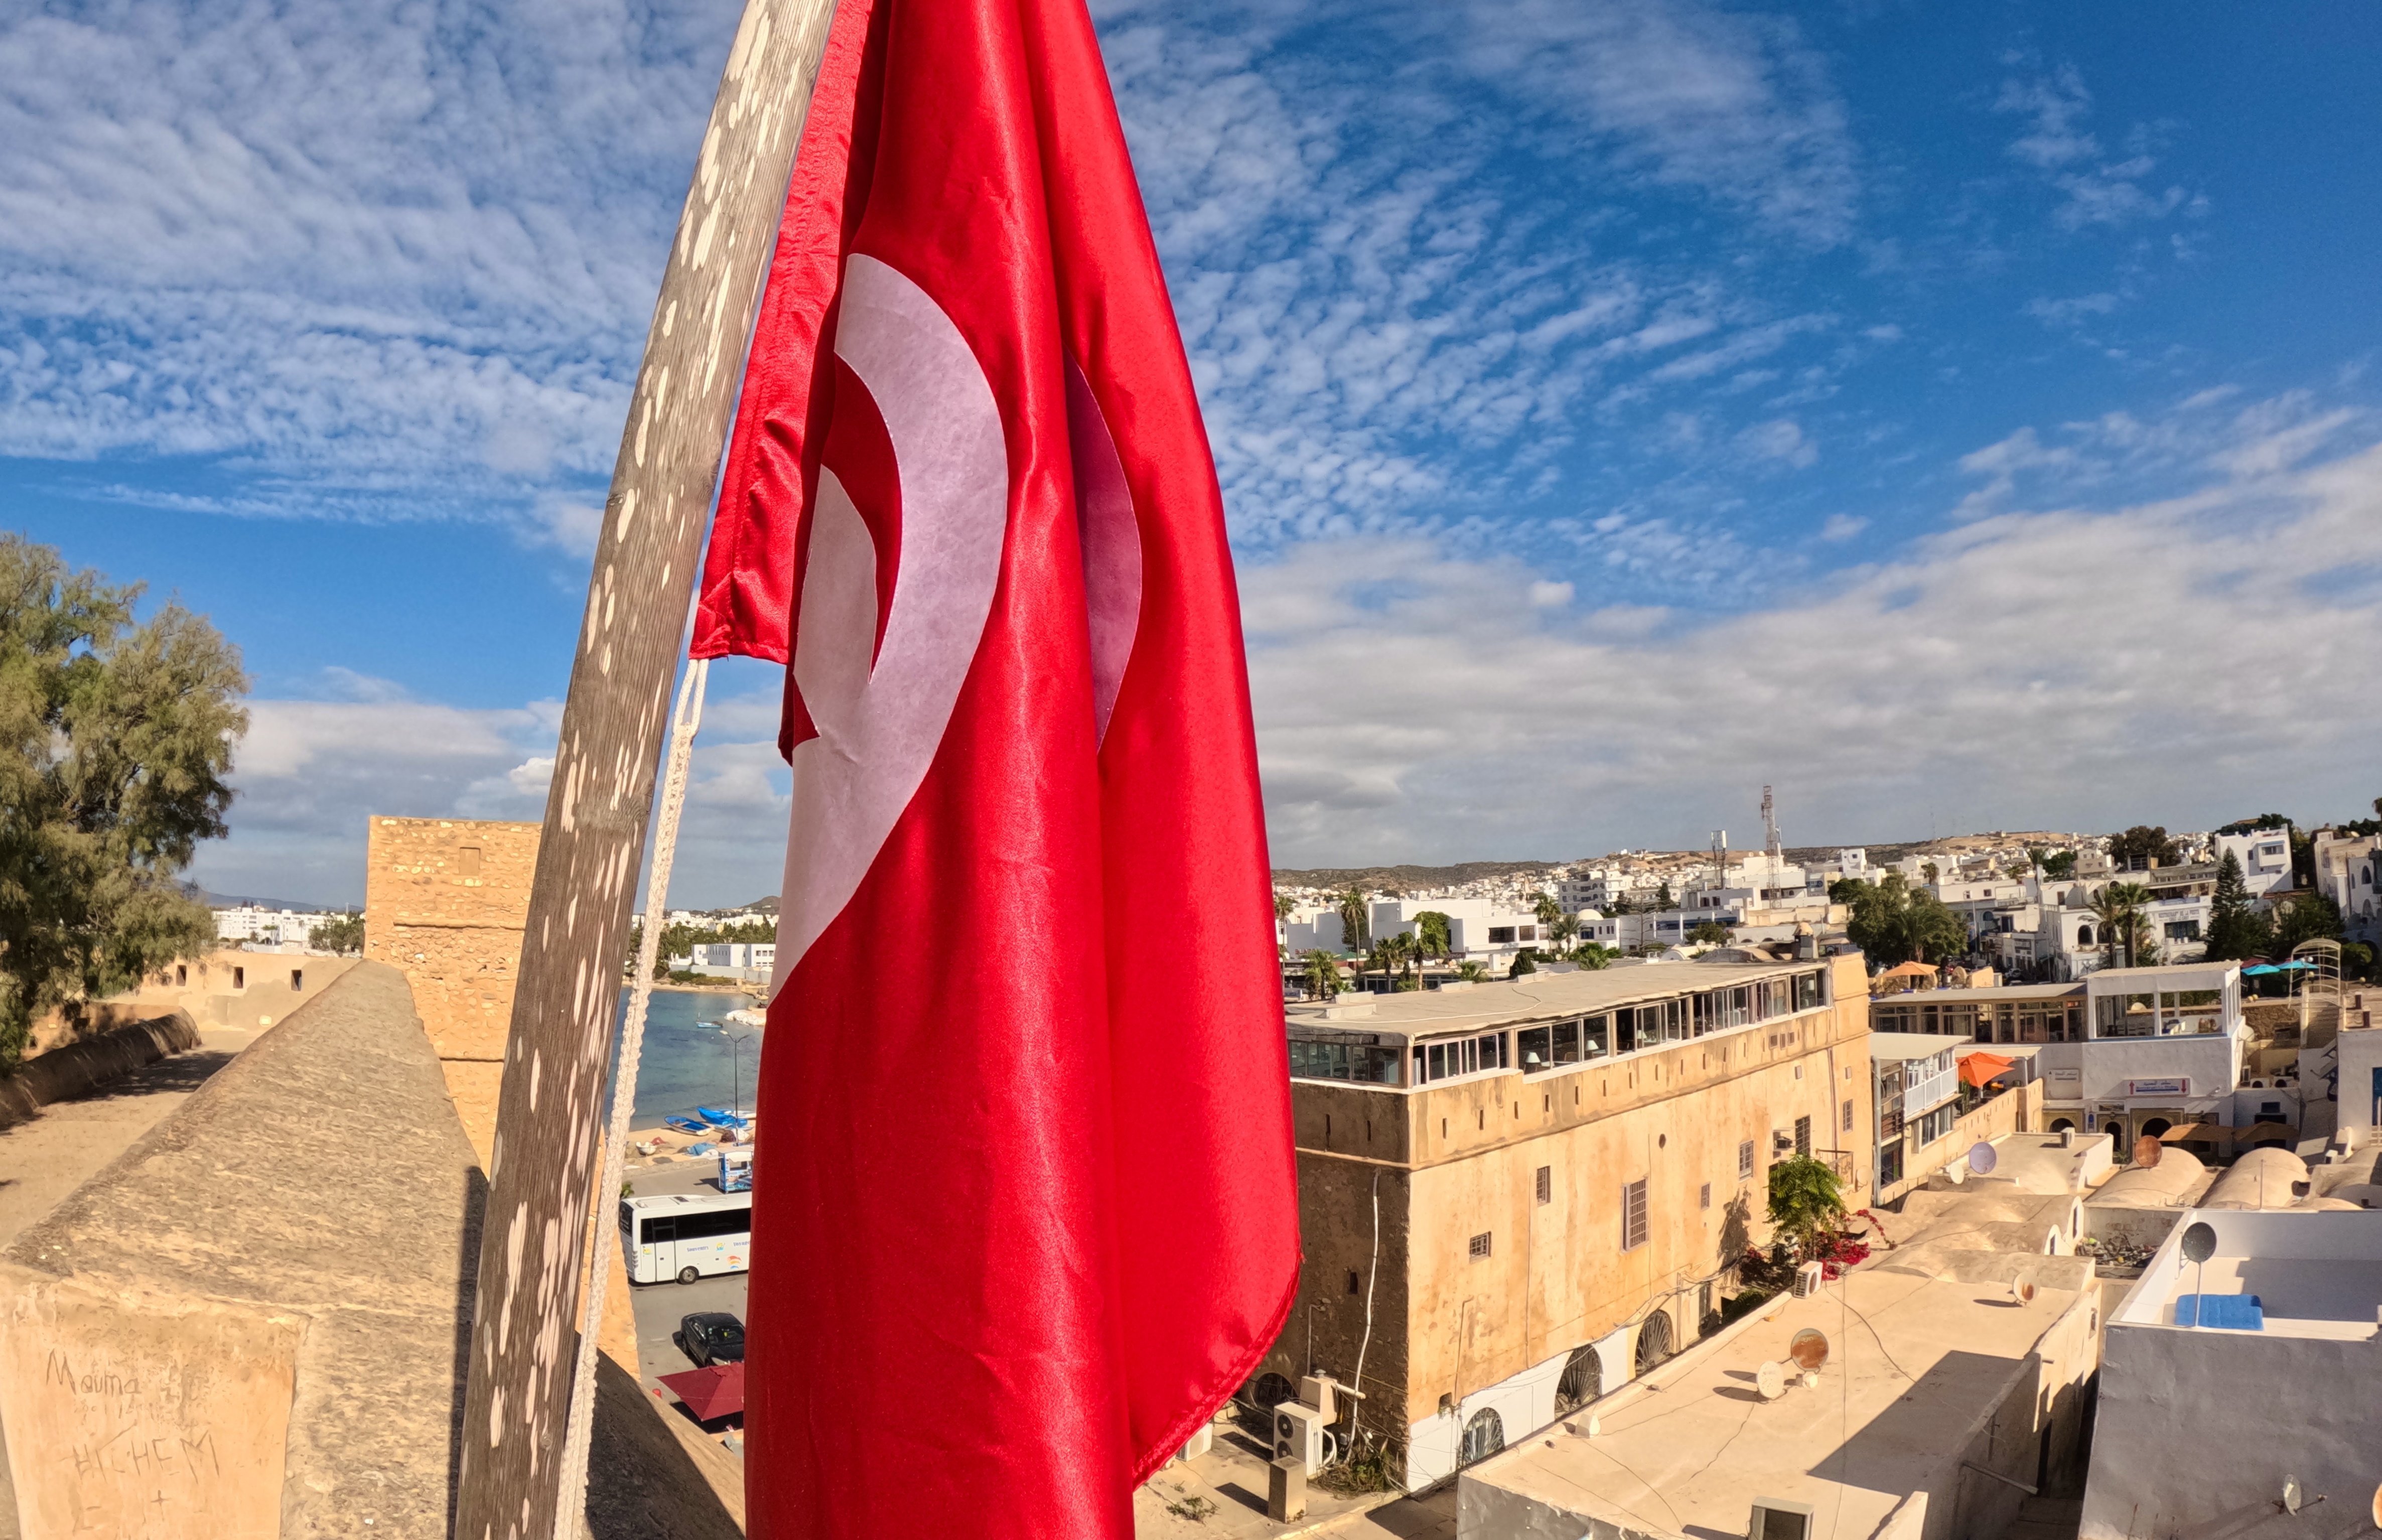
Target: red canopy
1977,1068
717,1390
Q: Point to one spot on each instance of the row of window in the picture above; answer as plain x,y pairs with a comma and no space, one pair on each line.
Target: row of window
2023,1021
1344,1061
1625,1030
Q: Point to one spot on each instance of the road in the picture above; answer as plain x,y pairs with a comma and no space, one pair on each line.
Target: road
658,1307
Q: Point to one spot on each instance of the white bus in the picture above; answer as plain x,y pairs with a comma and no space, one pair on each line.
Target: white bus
686,1234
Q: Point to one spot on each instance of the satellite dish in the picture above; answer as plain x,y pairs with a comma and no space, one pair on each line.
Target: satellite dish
2023,1289
1595,1426
2294,1496
1771,1381
2199,1241
2377,1514
1982,1158
1958,1172
1809,1349
2147,1151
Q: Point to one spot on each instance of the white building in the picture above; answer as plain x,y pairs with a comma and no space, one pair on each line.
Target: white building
2199,1426
747,962
2265,859
256,927
2346,868
2163,1048
1917,1096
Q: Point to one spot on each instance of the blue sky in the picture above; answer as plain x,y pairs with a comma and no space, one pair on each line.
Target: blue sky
1957,416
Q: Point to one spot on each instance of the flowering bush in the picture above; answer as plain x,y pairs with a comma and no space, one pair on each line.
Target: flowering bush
1839,1252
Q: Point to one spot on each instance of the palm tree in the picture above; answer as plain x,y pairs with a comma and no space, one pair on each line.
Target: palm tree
1546,908
1563,930
1355,921
2119,907
1322,974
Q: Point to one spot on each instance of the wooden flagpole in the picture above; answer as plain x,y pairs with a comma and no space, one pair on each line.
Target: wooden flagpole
548,1128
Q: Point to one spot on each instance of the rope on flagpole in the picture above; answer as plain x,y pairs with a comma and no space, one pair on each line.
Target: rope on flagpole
570,1516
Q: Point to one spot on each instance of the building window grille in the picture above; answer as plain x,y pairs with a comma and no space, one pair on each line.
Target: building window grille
1848,1114
1803,1136
1703,1199
1546,1184
1633,1215
1480,1245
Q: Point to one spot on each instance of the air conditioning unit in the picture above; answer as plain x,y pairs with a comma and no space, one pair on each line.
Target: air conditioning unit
1315,1390
1775,1519
1299,1434
1808,1279
1781,1139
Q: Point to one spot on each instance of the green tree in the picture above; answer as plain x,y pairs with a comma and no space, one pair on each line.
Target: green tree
1893,923
119,736
1547,910
2059,865
1355,922
1323,975
2235,928
2145,844
2310,917
1662,899
1806,1201
342,933
1566,929
1710,933
1593,955
1282,906
1436,932
1525,961
1470,972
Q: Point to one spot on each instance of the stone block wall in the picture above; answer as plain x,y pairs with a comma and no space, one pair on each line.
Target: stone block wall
446,902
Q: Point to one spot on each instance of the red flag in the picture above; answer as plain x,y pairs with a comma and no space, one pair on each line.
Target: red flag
1024,1209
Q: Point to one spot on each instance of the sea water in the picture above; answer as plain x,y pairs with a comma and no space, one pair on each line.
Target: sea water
693,1056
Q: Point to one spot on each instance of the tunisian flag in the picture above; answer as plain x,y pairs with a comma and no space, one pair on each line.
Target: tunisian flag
1024,1211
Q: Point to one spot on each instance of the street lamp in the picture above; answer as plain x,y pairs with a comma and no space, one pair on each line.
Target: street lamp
736,1083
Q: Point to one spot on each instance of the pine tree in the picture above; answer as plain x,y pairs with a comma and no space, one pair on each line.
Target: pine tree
2235,929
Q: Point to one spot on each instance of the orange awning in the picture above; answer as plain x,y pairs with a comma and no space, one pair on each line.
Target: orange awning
1910,971
1977,1068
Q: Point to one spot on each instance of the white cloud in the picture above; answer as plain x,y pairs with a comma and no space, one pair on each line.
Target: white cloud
1842,526
354,245
1781,438
2097,190
1732,106
2009,672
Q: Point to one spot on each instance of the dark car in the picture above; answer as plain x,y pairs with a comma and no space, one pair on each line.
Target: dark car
711,1336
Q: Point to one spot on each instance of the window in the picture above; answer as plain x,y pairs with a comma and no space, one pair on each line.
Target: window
239,978
2183,930
1633,1215
1596,1037
1481,1245
1889,1163
1803,1136
1354,1281
1501,935
1848,1114
297,979
1745,1161
1703,1199
1534,1046
181,974
1938,1124
1546,1184
1362,1060
1527,932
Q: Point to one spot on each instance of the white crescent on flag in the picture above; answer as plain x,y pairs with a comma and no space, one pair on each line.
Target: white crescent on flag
879,724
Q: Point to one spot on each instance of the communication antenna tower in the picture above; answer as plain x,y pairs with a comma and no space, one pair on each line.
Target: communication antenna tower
1770,829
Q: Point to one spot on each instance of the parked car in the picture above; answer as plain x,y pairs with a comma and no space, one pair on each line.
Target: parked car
711,1336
